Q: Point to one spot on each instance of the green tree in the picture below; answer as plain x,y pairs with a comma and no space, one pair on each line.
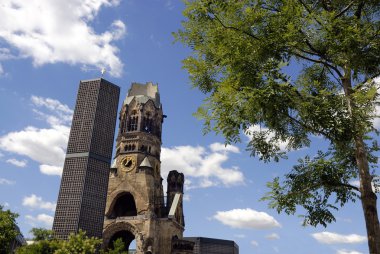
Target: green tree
79,244
40,247
44,243
41,234
118,247
241,53
8,231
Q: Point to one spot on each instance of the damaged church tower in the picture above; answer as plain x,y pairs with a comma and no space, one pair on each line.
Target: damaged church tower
136,207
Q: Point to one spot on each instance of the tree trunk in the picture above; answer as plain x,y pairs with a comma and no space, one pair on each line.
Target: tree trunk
368,197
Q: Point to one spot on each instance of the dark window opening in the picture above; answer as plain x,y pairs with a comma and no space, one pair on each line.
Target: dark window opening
130,147
123,123
125,206
148,124
132,123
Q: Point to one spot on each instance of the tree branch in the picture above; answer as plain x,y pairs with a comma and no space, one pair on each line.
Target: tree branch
234,28
308,128
320,62
344,10
309,11
358,12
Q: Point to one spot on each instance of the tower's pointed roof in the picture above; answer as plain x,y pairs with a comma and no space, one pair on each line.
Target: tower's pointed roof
145,163
142,93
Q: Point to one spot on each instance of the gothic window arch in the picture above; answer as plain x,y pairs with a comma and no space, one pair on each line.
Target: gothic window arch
123,123
124,206
132,123
148,124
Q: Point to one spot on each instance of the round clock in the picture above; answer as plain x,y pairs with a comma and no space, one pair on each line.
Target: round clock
128,163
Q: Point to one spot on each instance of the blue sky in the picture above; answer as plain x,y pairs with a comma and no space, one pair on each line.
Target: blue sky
48,46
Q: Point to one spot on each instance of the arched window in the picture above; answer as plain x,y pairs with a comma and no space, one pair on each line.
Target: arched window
132,123
123,123
124,206
148,125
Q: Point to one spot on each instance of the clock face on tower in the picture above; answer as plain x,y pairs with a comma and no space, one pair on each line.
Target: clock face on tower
128,163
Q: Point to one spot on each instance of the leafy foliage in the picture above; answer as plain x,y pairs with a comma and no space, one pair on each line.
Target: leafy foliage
8,231
45,243
242,54
42,234
40,247
79,244
118,247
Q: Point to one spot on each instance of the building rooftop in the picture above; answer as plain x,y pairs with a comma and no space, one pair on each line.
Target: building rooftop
142,93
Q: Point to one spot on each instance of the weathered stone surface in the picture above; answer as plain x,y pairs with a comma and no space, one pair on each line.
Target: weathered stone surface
135,206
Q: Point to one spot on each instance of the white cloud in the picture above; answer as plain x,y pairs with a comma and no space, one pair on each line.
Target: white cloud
4,181
333,238
254,243
36,202
40,220
272,236
53,105
343,251
52,31
269,135
239,236
17,163
219,147
203,167
246,218
51,170
44,145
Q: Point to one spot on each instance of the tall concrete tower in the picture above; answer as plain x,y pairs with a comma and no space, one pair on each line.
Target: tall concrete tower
83,190
136,206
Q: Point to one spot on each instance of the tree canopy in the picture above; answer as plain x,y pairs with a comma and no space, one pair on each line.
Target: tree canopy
45,243
242,53
8,230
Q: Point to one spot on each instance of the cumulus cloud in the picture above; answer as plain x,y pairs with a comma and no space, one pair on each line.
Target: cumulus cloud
343,251
43,220
4,181
219,147
53,31
246,218
44,145
202,167
272,236
17,163
36,202
51,170
334,238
